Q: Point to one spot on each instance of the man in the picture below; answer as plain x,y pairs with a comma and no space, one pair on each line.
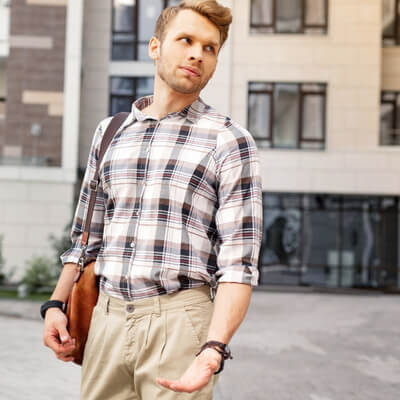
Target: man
178,208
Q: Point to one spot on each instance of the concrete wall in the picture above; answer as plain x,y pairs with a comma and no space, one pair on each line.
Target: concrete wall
29,213
95,71
348,59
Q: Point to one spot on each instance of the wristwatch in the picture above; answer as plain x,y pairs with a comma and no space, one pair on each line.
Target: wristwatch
222,349
51,304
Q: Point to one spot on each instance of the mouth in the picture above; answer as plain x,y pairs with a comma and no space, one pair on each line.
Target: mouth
190,71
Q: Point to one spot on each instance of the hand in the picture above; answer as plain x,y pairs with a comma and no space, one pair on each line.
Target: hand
56,336
197,375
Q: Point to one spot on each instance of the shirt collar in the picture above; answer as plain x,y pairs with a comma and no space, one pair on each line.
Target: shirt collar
191,112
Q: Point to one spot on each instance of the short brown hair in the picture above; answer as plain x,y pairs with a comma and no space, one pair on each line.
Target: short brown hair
219,15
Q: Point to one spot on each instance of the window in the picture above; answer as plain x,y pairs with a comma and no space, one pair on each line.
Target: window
391,22
289,16
124,91
287,115
330,240
133,23
390,119
2,108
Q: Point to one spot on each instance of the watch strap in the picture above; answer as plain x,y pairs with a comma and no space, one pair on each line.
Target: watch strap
51,304
221,348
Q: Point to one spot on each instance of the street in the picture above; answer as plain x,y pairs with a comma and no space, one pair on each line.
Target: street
305,346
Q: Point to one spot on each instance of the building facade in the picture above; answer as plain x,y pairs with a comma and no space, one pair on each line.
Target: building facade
316,82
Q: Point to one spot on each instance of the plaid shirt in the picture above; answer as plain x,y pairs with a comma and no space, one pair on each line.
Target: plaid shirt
179,203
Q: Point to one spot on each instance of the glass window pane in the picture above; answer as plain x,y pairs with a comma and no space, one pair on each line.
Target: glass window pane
261,12
388,136
398,24
149,11
124,15
119,104
143,52
144,87
398,114
122,86
320,243
286,116
122,46
259,115
281,248
315,12
313,117
388,96
388,16
288,16
173,3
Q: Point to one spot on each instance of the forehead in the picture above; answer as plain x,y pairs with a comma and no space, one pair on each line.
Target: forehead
194,24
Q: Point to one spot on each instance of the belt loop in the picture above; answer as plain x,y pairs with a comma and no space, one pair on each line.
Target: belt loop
107,305
157,305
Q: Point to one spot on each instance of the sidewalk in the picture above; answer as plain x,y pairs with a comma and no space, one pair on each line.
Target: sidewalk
25,309
306,346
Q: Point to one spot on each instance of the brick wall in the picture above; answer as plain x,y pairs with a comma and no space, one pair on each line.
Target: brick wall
35,79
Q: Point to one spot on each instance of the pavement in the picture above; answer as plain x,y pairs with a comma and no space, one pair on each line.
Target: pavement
291,346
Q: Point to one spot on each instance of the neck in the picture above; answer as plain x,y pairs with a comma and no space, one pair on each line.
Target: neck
166,100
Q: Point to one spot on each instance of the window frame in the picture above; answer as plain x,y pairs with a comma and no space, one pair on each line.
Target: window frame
395,117
300,139
394,40
135,42
255,28
132,97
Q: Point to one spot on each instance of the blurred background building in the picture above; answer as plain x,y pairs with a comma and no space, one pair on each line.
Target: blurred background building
316,82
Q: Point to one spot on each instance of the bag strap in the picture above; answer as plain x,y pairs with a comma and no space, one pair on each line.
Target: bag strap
109,134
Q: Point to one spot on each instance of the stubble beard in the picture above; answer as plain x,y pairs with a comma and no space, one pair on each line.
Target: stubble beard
166,74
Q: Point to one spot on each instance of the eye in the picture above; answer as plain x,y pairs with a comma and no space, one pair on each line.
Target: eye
185,38
210,48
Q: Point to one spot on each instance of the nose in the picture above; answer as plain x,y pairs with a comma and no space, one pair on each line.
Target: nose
196,53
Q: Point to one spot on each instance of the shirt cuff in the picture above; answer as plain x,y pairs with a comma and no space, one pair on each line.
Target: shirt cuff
238,274
72,255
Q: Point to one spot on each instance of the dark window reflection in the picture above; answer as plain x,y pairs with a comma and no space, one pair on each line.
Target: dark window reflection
125,90
330,240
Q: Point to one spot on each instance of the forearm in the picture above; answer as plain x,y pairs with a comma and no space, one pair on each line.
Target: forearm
65,283
230,306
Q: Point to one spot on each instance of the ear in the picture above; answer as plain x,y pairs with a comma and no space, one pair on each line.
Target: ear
154,48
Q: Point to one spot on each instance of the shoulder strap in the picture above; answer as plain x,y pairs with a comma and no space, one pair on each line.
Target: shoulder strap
108,136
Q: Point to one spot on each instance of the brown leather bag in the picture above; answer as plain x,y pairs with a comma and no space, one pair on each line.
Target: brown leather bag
85,290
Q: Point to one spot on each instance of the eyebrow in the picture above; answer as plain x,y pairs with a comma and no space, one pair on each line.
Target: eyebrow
211,42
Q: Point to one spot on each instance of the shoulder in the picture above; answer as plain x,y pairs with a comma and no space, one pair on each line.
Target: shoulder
227,130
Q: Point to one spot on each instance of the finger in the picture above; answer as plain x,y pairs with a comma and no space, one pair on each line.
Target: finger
64,334
176,386
53,343
65,358
165,382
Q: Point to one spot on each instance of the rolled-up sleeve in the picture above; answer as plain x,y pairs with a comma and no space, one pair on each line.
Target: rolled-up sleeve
97,225
239,213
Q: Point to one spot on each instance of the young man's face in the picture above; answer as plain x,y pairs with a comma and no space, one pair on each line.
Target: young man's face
187,57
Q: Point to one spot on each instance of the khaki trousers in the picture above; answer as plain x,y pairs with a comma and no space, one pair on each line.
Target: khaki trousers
130,344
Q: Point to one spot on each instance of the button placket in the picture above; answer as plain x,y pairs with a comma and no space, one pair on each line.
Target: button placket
136,213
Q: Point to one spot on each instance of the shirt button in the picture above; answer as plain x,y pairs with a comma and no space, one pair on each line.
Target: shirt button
130,308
